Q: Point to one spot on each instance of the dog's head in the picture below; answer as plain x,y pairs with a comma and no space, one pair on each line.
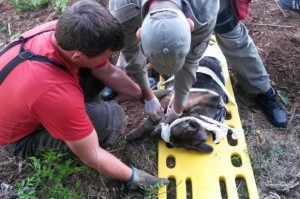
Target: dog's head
190,135
187,134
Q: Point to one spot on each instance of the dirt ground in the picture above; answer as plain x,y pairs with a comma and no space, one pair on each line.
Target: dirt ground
274,152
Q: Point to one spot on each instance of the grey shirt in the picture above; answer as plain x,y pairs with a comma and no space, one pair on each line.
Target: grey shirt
130,14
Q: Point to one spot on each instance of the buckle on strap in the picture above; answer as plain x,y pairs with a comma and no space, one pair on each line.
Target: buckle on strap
26,54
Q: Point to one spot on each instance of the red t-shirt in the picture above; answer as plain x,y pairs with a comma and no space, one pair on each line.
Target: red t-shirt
38,93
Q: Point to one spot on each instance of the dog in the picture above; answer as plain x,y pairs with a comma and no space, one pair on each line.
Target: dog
206,100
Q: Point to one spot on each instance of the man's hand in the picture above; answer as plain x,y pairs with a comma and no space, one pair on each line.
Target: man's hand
142,180
171,115
154,109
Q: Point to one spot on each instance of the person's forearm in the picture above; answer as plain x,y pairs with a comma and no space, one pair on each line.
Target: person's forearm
110,166
118,80
183,81
126,86
90,153
178,109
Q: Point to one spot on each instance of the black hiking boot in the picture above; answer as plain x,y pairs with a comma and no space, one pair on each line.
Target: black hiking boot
272,108
107,94
293,5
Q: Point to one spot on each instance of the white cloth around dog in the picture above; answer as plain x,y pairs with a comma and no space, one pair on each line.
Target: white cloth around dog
219,129
165,132
209,72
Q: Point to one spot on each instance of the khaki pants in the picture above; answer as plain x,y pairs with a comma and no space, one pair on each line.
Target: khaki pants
108,118
242,54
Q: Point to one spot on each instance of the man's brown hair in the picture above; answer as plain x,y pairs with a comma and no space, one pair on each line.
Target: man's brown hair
89,27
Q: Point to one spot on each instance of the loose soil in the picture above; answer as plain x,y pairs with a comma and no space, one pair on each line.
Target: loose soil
274,152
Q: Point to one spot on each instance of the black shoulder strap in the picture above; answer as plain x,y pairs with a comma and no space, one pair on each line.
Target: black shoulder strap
24,55
21,40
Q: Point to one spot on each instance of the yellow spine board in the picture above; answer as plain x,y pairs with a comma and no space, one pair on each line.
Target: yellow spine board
205,172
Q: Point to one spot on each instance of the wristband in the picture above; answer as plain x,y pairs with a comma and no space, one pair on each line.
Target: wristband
142,100
129,183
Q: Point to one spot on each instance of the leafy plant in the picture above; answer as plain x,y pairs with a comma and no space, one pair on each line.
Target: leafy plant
153,152
60,5
13,36
151,191
38,3
47,179
121,143
26,188
236,161
283,96
1,43
25,5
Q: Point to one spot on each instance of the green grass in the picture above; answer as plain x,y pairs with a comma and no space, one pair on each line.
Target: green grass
265,158
236,161
49,176
151,191
59,5
26,5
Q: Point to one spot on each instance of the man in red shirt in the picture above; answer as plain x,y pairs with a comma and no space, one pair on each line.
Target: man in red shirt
46,104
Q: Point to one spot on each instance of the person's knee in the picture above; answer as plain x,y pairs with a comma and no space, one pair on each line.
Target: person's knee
118,121
36,144
109,121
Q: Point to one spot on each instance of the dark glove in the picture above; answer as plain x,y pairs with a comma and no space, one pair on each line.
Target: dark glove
142,180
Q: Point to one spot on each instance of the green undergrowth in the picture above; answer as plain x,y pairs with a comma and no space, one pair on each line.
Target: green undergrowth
26,5
49,177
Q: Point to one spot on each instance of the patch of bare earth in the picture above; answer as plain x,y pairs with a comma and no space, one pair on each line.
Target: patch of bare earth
274,152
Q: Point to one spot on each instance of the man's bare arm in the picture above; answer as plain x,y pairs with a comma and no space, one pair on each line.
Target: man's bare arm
118,80
90,153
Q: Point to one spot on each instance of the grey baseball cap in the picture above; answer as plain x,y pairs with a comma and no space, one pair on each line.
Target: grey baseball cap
166,39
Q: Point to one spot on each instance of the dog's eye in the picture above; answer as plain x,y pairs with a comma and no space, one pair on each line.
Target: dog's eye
192,129
193,124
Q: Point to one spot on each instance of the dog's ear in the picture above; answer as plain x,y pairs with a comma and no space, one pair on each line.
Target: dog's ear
203,147
186,131
156,133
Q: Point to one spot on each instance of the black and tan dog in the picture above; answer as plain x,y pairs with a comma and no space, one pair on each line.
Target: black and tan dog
207,100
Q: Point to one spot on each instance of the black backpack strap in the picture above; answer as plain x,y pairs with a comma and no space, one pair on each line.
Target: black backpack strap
24,55
21,40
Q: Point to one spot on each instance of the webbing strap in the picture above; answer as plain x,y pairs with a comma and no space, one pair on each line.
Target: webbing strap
24,55
21,40
209,72
9,67
12,44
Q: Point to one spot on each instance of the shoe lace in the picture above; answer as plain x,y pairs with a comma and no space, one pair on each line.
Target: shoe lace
272,102
296,4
